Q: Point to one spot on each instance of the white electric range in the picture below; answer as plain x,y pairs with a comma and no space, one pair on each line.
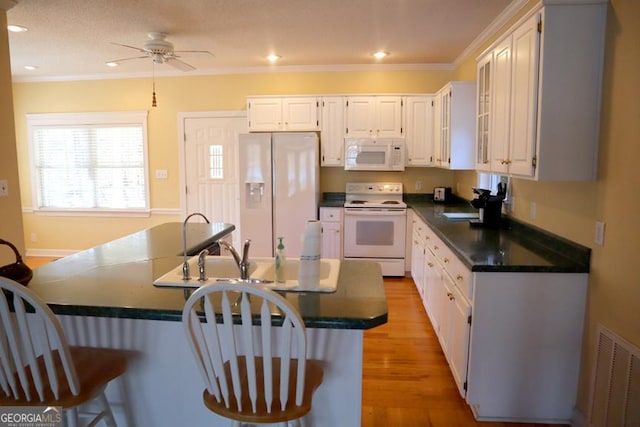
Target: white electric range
375,224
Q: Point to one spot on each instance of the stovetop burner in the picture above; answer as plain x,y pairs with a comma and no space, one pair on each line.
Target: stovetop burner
374,195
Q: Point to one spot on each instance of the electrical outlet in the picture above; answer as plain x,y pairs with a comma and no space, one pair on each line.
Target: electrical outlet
418,185
34,237
599,236
4,188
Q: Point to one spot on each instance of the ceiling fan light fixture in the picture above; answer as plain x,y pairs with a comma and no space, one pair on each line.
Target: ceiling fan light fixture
273,57
17,28
111,64
380,54
30,67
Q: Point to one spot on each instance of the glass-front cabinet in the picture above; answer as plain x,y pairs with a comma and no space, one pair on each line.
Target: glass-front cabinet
483,126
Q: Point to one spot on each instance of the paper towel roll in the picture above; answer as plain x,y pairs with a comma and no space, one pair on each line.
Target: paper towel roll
309,273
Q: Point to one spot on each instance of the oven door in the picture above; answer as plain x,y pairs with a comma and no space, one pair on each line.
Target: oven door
374,232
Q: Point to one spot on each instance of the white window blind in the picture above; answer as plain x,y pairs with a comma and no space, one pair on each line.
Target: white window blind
89,162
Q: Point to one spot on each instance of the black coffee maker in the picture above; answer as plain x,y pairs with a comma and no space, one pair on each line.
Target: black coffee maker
489,207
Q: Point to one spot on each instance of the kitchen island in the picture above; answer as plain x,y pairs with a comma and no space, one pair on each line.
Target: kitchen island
105,297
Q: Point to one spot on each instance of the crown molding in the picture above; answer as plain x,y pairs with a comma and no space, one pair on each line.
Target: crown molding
509,12
7,4
245,70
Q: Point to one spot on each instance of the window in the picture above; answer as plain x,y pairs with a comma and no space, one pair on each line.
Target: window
490,181
216,164
89,162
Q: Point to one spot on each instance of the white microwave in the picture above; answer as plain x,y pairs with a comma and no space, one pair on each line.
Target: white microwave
379,154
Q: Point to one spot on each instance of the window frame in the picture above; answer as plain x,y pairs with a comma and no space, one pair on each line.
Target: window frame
85,119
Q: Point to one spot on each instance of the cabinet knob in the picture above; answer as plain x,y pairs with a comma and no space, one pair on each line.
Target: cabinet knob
459,277
446,260
430,264
451,297
435,247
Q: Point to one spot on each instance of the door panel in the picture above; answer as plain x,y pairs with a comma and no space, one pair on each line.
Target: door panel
211,145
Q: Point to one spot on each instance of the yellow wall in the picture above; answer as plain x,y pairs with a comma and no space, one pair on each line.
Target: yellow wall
188,94
10,214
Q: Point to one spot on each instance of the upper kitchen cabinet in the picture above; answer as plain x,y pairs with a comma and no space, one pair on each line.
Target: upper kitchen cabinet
545,88
332,131
374,117
483,108
454,126
281,114
419,130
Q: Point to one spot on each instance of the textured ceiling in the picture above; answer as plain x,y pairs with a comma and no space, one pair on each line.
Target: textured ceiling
72,38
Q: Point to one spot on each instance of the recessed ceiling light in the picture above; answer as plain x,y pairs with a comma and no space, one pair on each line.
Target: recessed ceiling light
111,64
380,54
16,28
273,57
30,67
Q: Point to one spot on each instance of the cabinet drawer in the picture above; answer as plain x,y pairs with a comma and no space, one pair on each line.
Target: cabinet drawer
331,214
452,265
462,277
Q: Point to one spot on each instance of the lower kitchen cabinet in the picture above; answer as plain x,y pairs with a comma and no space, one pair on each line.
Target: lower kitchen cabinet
331,223
512,339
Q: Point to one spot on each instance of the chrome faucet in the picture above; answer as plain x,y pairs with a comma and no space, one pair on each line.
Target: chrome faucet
202,275
185,264
243,263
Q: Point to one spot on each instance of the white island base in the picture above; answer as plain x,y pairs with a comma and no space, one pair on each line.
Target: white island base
162,387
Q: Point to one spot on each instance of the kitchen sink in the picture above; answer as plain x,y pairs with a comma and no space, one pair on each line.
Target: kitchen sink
261,271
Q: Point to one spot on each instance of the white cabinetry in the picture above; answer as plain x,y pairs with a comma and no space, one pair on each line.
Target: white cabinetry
483,122
454,126
418,255
273,114
546,82
331,223
374,117
512,340
419,130
332,131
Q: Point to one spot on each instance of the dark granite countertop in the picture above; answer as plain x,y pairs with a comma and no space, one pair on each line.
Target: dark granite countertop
515,247
116,280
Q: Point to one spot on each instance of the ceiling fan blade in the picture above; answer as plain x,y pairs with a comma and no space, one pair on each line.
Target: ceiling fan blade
180,65
195,51
130,47
126,59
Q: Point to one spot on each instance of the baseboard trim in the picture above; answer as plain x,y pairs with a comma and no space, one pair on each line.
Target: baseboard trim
578,419
53,253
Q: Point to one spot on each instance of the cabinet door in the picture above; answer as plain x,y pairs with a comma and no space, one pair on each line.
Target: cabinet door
332,240
445,152
437,130
458,318
524,88
483,108
417,262
501,106
265,114
430,279
388,119
332,131
419,130
300,114
360,116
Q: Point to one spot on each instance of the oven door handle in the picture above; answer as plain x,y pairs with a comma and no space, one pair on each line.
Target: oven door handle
375,212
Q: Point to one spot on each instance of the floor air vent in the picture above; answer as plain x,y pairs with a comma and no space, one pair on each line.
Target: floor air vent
615,394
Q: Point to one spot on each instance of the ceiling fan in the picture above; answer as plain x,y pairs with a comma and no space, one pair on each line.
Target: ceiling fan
161,51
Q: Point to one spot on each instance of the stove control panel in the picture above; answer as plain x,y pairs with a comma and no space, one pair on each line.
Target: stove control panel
374,188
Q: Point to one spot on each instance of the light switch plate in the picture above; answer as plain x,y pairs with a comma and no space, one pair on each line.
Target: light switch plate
4,188
162,174
599,235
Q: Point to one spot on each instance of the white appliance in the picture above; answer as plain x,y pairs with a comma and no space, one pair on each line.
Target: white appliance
375,220
368,154
279,189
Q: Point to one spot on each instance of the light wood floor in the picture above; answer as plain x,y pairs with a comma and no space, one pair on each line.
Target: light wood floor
406,379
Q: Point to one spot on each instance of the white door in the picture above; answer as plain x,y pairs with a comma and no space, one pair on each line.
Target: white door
211,165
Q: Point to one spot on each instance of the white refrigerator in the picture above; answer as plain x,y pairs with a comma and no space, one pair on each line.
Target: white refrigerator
279,189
